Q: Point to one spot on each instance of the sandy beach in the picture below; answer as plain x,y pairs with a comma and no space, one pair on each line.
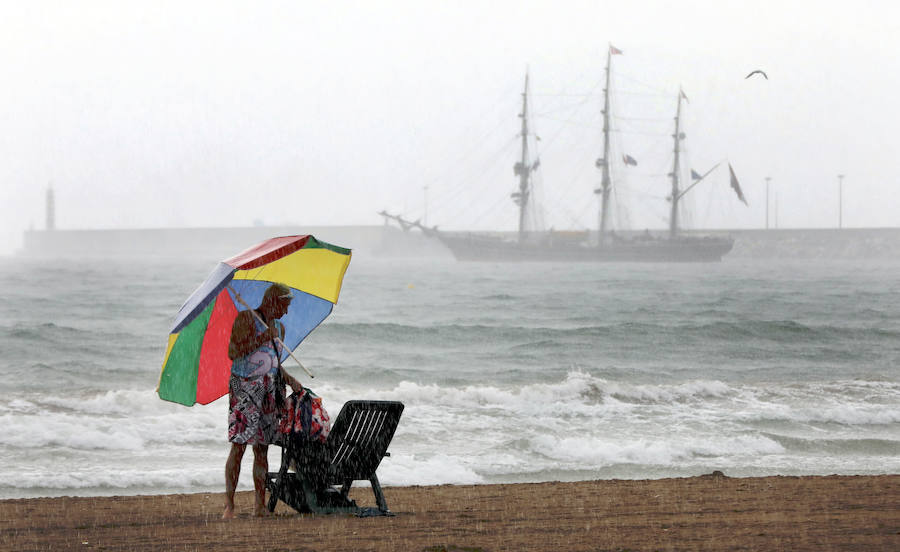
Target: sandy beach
709,512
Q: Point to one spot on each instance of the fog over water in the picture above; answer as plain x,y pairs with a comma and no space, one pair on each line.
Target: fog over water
229,114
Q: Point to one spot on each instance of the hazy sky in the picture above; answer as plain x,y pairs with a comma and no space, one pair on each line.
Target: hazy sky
224,113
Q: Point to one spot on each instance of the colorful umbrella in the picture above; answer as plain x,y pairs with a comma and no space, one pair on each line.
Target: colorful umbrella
196,367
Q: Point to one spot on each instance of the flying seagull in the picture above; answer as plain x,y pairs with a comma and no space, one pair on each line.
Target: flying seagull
755,72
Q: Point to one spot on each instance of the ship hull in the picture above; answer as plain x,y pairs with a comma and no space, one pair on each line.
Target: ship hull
682,249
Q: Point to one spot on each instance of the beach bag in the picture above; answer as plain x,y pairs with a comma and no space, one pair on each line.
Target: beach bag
304,419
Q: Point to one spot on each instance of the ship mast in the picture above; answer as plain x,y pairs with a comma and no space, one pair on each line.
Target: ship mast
603,163
673,216
523,167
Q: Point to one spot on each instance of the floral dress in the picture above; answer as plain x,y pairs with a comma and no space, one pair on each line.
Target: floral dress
252,413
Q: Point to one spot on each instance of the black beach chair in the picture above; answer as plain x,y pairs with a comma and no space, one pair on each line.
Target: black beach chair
358,441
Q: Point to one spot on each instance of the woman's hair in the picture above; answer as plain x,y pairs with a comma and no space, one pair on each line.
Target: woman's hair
277,291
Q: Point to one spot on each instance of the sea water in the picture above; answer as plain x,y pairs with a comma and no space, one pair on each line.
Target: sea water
509,372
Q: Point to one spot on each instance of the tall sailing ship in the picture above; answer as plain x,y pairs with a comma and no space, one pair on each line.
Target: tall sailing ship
606,245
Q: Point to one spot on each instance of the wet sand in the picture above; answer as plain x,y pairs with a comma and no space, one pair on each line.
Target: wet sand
698,513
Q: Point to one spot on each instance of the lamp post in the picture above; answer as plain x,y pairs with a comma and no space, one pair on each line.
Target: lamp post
50,208
840,201
768,178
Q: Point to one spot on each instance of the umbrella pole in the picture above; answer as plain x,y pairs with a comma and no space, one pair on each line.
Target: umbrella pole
263,322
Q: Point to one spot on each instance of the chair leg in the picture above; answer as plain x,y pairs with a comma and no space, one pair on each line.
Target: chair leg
277,490
309,497
379,495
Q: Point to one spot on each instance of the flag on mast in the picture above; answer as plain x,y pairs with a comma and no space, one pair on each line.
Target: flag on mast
614,51
736,186
629,160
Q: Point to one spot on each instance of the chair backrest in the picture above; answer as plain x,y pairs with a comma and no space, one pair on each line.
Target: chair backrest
360,437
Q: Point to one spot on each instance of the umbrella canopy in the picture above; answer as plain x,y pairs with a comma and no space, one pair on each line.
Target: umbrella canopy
196,368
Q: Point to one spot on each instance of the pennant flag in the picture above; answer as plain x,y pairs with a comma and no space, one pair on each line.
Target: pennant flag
695,175
683,95
537,163
629,160
613,50
736,186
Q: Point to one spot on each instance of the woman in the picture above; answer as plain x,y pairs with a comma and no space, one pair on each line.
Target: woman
255,390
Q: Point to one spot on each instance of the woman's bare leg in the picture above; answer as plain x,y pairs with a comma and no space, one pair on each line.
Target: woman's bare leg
260,469
232,472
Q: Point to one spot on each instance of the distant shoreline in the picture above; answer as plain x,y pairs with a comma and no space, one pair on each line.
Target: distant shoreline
707,512
391,242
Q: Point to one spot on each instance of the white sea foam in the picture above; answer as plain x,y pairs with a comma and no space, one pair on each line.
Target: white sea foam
682,392
404,469
579,391
125,402
400,469
848,414
109,421
66,432
18,405
666,450
813,406
121,477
